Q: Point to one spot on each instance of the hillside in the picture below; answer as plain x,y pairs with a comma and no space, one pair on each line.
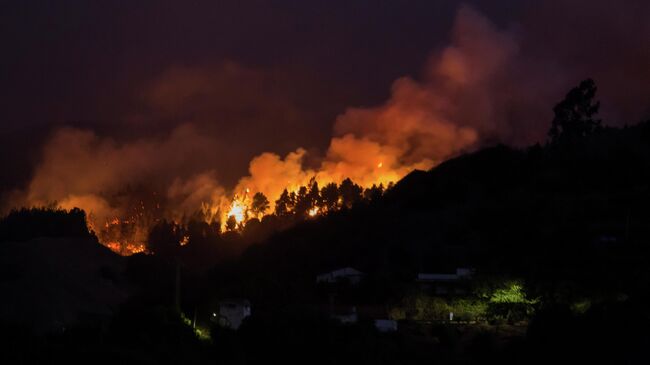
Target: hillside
573,213
49,284
567,221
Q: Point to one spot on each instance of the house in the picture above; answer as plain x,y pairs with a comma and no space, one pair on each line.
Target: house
441,284
351,275
385,325
232,312
349,314
605,242
345,315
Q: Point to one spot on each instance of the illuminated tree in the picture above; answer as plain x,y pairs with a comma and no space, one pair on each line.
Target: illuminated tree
574,116
509,302
260,204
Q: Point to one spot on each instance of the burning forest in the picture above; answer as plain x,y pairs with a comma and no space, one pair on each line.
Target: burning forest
389,182
127,187
131,235
473,92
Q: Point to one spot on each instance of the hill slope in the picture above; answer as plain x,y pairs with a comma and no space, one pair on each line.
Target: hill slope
48,284
557,212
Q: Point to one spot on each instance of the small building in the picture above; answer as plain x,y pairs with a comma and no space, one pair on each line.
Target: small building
232,312
385,325
351,275
605,242
441,284
345,315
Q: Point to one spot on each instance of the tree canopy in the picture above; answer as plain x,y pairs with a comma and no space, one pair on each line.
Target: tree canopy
575,115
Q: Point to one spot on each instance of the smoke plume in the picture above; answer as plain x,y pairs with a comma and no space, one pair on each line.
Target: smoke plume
488,84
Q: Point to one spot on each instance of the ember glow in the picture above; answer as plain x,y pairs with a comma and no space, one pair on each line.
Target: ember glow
184,241
126,237
313,212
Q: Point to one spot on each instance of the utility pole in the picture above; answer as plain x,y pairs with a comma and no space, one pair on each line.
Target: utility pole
177,287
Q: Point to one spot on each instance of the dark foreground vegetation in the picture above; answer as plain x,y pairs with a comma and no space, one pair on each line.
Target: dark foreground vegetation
558,236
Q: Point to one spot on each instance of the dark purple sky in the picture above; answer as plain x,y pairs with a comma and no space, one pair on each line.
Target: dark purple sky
279,72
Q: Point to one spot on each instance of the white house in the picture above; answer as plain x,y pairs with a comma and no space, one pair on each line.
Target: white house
232,312
352,275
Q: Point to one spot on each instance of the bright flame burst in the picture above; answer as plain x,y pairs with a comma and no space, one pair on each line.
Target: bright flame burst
238,209
313,212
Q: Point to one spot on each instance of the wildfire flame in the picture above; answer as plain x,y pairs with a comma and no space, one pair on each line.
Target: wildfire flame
238,209
420,125
313,212
126,249
126,236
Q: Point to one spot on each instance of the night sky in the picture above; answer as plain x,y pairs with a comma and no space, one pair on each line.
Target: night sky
255,76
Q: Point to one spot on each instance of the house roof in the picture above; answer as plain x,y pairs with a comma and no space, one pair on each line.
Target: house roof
461,273
235,302
437,277
345,271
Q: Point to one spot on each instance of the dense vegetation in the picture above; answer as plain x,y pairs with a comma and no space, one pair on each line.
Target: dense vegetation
26,224
307,203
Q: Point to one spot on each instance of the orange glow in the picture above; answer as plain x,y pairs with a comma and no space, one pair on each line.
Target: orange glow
126,249
126,236
239,208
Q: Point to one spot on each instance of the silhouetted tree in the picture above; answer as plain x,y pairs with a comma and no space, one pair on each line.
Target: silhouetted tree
26,224
303,203
164,239
283,205
260,204
374,192
330,196
293,198
198,228
231,223
215,226
574,116
350,192
314,193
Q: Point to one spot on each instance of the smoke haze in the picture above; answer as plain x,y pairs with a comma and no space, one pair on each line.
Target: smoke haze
203,133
